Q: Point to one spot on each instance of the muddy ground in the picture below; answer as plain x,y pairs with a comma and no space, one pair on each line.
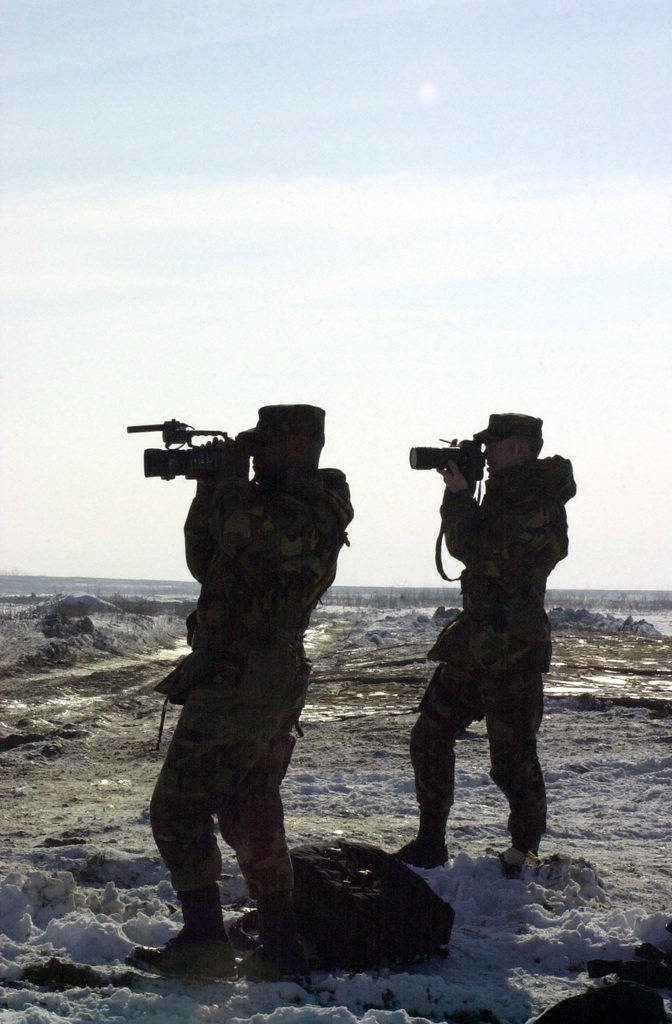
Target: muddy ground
78,752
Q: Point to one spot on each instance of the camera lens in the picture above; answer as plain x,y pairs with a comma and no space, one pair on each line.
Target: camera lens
428,458
166,464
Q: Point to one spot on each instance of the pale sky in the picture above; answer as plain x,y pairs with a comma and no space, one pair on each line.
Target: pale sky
410,213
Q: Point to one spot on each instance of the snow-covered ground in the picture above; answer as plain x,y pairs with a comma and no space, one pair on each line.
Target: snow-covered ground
80,878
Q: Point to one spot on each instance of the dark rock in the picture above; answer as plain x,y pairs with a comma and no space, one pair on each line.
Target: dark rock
622,1003
57,974
589,702
62,974
52,626
59,626
445,614
51,750
583,618
650,952
54,841
654,968
654,974
16,739
600,968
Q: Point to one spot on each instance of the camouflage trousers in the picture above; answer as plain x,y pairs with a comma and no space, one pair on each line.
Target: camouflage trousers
512,706
227,758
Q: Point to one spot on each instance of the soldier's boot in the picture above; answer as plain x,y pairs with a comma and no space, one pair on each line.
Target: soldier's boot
521,854
514,861
527,840
428,849
281,955
201,949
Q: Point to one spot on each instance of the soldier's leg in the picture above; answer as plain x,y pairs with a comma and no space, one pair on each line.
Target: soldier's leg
449,706
209,755
205,758
251,817
513,716
252,821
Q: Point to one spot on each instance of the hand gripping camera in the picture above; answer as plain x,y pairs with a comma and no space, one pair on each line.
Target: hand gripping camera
469,458
195,462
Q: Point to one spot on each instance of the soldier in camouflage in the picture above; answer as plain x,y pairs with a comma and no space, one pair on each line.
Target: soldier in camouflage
264,551
492,656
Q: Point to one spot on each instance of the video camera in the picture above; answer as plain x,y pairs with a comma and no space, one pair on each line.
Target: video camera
195,462
468,456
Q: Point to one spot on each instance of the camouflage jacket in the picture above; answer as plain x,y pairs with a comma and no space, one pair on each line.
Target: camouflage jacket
509,544
263,557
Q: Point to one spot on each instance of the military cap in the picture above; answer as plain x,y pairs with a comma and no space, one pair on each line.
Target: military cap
510,424
276,420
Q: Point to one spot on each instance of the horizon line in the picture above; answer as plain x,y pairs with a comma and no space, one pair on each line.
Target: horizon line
336,586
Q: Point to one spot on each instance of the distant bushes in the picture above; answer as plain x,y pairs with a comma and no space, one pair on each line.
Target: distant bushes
151,606
19,608
134,605
621,601
637,602
9,611
391,597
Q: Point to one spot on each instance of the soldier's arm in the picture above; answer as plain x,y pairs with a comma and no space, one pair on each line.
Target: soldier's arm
198,540
459,517
285,532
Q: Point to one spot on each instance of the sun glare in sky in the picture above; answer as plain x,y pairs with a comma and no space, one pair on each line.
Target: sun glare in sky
427,93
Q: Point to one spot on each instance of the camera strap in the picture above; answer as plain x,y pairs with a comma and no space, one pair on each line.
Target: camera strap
438,561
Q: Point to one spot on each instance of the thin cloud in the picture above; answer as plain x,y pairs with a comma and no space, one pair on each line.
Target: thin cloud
325,238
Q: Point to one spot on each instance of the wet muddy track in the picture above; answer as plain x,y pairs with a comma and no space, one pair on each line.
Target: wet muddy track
83,759
621,667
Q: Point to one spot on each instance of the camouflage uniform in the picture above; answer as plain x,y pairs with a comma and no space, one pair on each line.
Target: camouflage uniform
494,653
264,554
